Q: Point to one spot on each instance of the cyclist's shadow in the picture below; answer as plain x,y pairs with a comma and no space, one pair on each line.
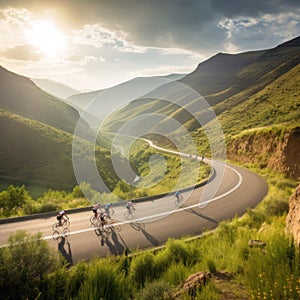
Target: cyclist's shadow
67,254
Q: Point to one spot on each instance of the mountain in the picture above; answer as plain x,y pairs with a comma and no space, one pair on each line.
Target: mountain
241,75
226,81
55,88
21,96
82,100
37,139
104,102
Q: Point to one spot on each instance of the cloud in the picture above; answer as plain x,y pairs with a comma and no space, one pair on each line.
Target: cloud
244,33
137,37
22,52
253,8
193,25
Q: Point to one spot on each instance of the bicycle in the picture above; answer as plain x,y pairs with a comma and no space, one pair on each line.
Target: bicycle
110,212
97,220
179,199
94,220
65,224
103,229
129,213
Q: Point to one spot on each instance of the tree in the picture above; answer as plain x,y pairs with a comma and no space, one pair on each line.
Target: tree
13,199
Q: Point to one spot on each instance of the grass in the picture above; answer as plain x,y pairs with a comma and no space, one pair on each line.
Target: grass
46,157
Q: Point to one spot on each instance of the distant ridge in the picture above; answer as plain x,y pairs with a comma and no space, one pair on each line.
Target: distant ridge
82,100
55,88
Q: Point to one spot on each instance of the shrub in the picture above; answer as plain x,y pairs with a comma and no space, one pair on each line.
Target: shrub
46,207
103,281
142,268
26,260
178,251
276,207
12,199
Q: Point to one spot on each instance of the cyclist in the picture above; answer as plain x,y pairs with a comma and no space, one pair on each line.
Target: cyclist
107,209
61,216
129,206
178,195
96,210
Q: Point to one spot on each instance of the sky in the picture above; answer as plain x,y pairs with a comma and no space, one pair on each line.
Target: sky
95,44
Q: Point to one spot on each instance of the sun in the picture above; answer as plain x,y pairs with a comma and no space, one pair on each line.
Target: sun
47,38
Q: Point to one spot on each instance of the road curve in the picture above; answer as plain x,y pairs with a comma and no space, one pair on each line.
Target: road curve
230,192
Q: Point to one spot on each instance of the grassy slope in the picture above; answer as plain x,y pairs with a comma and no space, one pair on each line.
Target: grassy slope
217,74
40,155
21,96
241,75
226,80
279,102
36,137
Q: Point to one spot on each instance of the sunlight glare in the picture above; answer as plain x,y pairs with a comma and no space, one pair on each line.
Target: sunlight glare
47,38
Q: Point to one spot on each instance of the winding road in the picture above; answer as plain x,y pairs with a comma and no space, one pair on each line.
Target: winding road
229,192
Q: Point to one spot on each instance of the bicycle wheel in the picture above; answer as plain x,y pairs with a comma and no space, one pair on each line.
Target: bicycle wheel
55,235
66,233
179,201
93,220
106,228
55,226
111,213
66,224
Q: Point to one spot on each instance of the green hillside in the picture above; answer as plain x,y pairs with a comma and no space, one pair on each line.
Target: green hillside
278,102
40,155
267,79
21,96
242,75
37,135
216,75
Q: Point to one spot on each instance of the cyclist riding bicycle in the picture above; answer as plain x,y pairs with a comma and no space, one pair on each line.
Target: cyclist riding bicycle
107,209
129,206
61,216
178,195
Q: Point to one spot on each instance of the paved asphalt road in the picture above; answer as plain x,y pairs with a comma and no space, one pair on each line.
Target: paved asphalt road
230,192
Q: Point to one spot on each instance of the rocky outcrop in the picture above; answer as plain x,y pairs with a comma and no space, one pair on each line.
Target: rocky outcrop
293,217
278,150
223,281
192,283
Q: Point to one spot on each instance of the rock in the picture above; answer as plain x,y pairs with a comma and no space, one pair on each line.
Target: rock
256,243
192,283
195,280
293,216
